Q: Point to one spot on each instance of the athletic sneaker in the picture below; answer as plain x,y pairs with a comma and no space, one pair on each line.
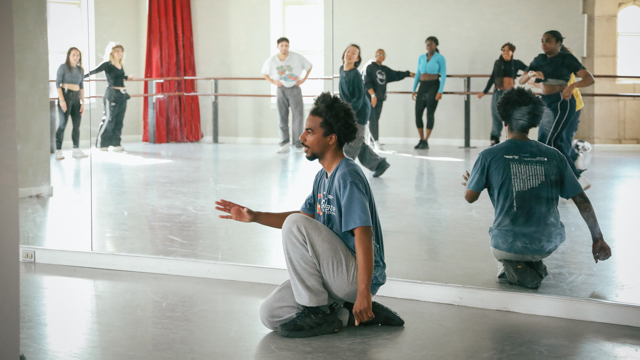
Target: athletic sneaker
381,168
425,145
419,146
382,316
539,267
584,183
284,148
579,161
104,149
59,155
77,153
116,148
518,273
312,321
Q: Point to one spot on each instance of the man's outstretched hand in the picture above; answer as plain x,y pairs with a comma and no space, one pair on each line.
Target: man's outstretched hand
235,211
601,250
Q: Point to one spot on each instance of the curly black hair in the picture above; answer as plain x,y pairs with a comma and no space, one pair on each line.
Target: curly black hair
337,117
520,110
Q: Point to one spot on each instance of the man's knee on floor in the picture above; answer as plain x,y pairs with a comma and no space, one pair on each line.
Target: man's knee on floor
267,315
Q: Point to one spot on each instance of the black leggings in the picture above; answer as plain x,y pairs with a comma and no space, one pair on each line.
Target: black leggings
115,105
72,99
427,99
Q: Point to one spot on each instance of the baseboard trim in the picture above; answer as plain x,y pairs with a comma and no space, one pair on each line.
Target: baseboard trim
40,191
525,303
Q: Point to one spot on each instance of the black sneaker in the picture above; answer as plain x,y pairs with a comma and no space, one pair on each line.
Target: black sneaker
520,274
539,267
425,145
381,168
312,321
419,144
382,316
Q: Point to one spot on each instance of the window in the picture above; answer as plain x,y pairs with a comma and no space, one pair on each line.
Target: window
68,26
629,41
302,22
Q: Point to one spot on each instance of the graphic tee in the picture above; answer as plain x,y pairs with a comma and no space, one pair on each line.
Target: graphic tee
525,180
342,202
287,71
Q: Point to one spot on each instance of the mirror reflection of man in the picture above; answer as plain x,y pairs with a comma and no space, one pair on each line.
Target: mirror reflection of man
284,70
333,245
525,180
376,77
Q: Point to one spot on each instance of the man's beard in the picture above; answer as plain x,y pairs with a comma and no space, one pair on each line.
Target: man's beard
311,156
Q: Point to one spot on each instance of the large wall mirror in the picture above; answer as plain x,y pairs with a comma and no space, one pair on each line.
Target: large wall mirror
148,188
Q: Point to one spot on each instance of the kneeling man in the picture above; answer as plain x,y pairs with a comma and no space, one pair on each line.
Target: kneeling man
525,179
333,246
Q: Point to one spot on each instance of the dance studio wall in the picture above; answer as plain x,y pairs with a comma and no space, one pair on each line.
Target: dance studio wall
470,32
32,93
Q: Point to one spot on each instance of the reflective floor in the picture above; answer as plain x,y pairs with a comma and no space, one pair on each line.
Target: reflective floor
75,313
159,200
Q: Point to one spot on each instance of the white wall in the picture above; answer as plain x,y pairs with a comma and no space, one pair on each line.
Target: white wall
470,32
9,266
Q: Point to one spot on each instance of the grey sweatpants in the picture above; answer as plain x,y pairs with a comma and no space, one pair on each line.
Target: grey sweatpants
290,97
321,268
363,152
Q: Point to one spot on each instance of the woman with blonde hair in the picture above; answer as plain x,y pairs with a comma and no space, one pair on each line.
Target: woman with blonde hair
114,100
69,84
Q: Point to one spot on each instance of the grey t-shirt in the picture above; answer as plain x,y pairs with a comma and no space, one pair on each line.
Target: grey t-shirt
343,202
525,180
64,76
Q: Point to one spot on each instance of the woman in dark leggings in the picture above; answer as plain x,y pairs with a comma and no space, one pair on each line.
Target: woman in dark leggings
553,69
505,70
430,65
114,100
69,84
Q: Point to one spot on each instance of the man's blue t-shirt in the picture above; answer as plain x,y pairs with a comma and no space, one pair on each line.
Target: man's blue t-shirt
525,180
343,202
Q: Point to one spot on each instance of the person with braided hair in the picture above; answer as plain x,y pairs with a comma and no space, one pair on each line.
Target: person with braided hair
525,180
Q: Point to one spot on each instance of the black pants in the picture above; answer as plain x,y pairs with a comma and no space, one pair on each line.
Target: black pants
72,98
374,117
427,99
110,130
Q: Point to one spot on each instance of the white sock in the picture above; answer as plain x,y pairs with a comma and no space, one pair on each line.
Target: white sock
343,315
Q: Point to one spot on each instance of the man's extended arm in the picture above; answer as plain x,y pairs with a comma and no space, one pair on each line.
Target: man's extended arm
362,310
600,249
244,214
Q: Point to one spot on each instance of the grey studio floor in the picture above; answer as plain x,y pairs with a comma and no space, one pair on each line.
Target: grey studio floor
158,200
78,313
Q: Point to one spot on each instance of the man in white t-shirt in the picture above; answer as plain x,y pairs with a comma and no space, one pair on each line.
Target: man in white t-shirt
284,70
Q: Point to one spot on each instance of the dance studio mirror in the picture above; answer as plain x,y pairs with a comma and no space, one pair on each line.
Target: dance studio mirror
156,196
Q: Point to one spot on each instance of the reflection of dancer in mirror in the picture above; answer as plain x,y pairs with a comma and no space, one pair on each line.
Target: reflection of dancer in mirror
333,246
352,91
525,179
553,69
114,100
575,156
284,70
69,84
430,65
505,70
376,78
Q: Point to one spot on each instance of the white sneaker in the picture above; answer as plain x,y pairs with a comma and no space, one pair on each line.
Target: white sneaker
284,149
584,183
377,146
116,148
59,155
579,161
77,153
104,149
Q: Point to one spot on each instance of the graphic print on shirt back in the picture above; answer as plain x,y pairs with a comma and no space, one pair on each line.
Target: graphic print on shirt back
286,73
525,176
381,77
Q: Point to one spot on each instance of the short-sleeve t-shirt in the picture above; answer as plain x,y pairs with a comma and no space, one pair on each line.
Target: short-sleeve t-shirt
287,71
342,202
525,180
558,67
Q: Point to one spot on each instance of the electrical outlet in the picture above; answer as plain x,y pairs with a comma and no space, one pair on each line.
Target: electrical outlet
28,255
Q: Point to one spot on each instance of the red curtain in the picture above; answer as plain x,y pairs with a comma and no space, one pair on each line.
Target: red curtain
170,54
